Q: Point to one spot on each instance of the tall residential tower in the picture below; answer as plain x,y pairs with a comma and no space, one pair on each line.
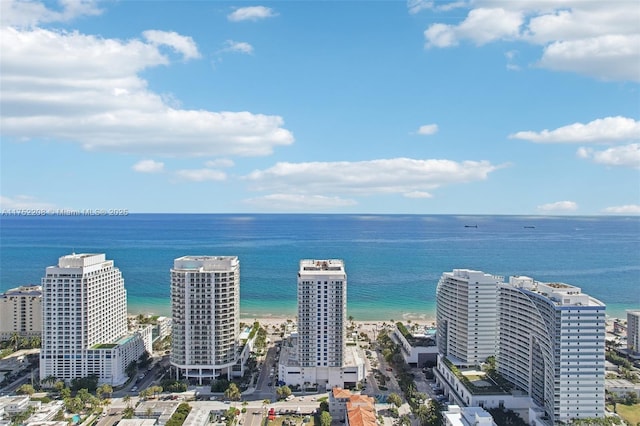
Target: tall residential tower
84,314
205,306
322,309
317,354
633,331
551,345
466,315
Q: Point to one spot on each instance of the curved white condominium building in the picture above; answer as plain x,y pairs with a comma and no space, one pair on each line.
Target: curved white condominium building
205,306
551,345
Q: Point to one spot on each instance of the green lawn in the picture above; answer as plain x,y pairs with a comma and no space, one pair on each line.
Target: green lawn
629,413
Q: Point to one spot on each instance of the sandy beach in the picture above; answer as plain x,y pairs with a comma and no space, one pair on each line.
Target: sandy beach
370,328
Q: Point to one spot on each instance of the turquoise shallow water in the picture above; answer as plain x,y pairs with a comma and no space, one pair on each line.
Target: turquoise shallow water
393,262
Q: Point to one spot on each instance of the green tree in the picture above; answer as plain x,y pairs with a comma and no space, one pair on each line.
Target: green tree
283,391
156,390
14,340
631,398
394,399
103,390
65,392
403,420
126,399
49,381
127,413
25,389
73,405
232,392
325,419
132,369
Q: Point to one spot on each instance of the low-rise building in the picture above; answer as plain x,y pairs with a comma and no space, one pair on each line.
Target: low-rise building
154,409
417,349
467,416
137,422
621,387
353,409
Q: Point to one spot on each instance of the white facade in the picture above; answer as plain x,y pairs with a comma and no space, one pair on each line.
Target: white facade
205,306
317,352
466,316
21,312
322,308
633,331
84,313
467,416
551,346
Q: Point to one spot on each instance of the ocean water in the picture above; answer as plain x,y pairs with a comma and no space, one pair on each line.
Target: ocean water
393,262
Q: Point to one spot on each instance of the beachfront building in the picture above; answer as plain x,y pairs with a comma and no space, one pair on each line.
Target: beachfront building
317,353
205,307
21,312
84,317
550,350
466,316
633,332
551,346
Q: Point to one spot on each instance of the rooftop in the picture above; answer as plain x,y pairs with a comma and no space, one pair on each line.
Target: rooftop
322,265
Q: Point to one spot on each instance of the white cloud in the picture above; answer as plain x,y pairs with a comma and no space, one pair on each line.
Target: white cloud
148,166
299,202
626,209
237,46
511,56
386,176
559,206
625,156
416,6
602,130
594,57
181,44
200,175
23,202
251,13
92,95
428,129
482,26
220,162
597,39
417,194
20,13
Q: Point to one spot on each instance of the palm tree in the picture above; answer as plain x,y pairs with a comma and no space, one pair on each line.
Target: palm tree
49,380
14,340
126,399
127,413
232,392
35,342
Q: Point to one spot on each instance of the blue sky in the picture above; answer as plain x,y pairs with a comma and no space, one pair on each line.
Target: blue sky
419,107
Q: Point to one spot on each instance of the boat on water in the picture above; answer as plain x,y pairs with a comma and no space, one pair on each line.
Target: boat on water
530,227
471,226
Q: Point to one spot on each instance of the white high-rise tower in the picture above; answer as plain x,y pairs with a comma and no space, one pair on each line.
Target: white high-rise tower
551,345
466,315
84,314
205,306
322,307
